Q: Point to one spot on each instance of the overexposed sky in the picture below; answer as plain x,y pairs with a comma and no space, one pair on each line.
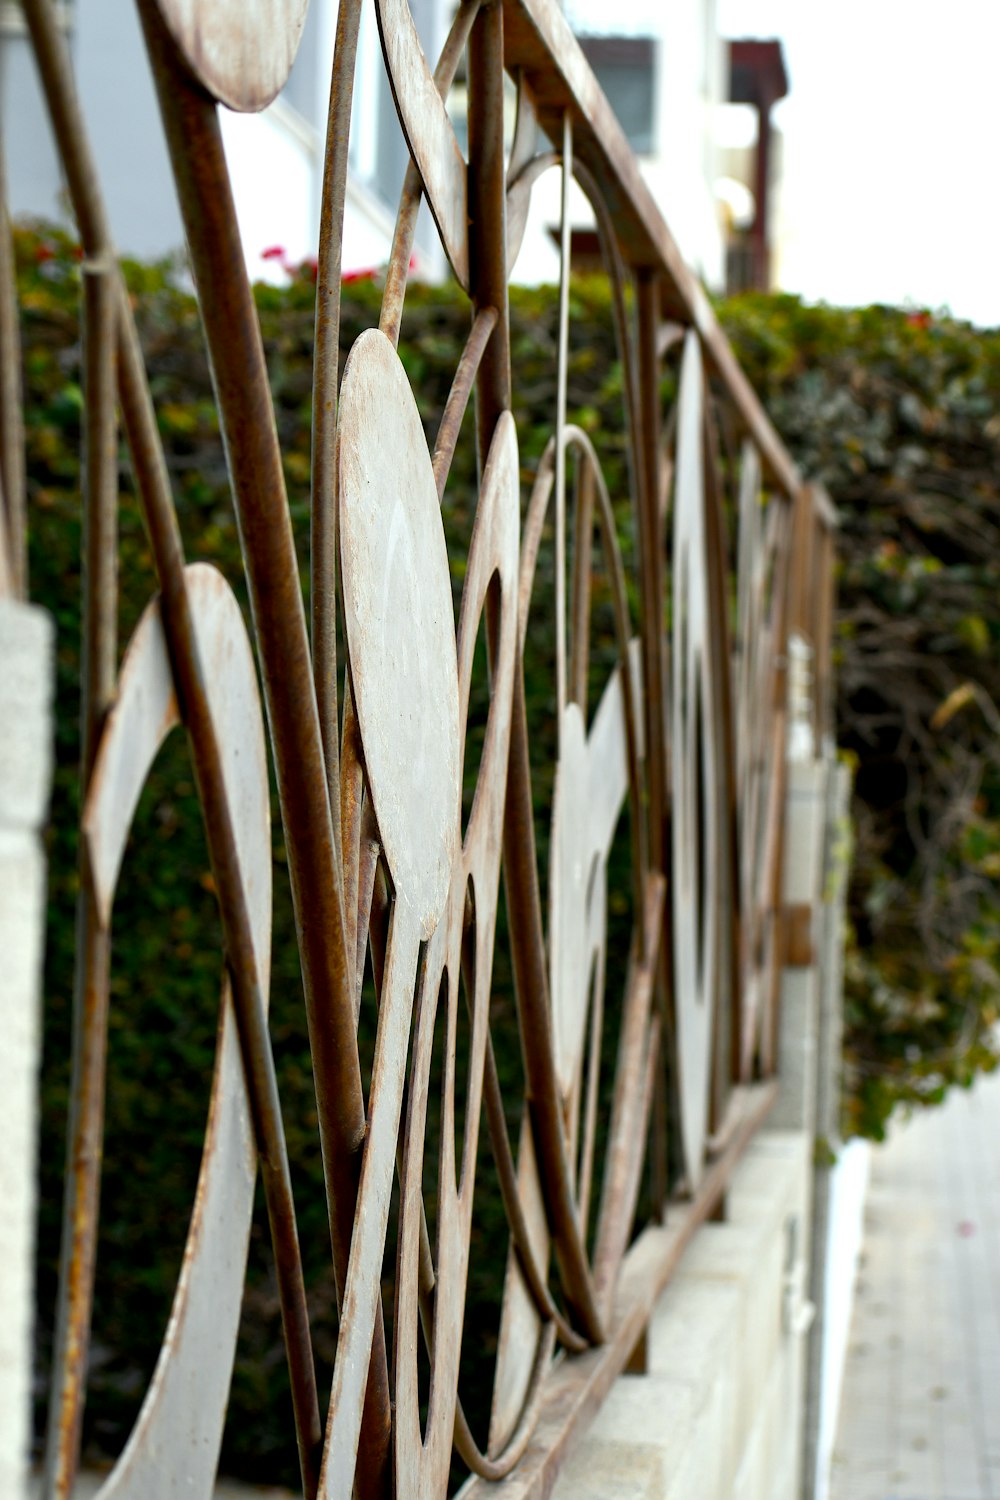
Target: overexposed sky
892,148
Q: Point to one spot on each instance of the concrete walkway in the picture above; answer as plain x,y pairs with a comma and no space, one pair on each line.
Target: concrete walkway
920,1416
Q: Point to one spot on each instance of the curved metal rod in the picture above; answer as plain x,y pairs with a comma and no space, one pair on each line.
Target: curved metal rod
759,540
370,850
727,1073
350,796
531,537
525,128
12,462
580,600
638,1050
576,437
164,533
562,374
772,853
503,1156
670,335
326,360
668,458
483,1464
521,185
534,523
398,267
248,423
491,1467
611,253
85,1129
522,178
534,1277
458,397
378,905
537,510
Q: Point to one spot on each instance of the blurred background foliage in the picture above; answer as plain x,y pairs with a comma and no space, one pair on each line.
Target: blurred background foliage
897,412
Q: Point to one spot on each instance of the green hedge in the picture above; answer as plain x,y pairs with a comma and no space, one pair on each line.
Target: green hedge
899,413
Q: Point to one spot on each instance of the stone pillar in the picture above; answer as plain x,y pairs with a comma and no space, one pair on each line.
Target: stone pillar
26,683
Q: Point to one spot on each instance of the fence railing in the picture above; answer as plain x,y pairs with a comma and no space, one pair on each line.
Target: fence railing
688,741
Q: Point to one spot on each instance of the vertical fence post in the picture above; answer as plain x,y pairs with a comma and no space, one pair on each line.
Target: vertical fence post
805,816
812,924
797,1042
838,1178
26,674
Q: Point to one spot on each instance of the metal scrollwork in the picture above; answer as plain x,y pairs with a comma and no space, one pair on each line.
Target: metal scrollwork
685,746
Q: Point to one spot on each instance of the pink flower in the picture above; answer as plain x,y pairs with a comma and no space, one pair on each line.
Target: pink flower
274,252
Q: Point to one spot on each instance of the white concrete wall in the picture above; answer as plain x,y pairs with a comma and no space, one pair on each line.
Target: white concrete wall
274,170
126,133
690,84
26,671
275,158
841,1173
717,1416
740,1399
34,181
847,1188
123,125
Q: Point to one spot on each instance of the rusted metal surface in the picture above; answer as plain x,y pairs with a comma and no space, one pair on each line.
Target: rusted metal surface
190,1385
577,1387
681,749
93,958
326,374
428,130
13,541
241,50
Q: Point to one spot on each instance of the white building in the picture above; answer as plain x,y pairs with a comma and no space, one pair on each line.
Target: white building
663,68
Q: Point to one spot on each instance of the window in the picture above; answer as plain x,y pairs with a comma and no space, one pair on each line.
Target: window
625,70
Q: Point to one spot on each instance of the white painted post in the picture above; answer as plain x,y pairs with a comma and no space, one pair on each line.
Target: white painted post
26,684
841,1172
805,822
815,878
798,1036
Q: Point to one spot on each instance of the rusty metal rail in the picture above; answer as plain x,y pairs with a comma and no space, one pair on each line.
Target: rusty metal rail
734,559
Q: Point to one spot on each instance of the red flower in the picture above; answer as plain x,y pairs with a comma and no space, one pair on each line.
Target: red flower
274,252
918,319
44,252
368,274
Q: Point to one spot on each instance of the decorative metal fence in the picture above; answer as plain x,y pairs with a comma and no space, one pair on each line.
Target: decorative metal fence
688,737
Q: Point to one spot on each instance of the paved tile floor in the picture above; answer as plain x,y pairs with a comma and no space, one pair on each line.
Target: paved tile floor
920,1417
